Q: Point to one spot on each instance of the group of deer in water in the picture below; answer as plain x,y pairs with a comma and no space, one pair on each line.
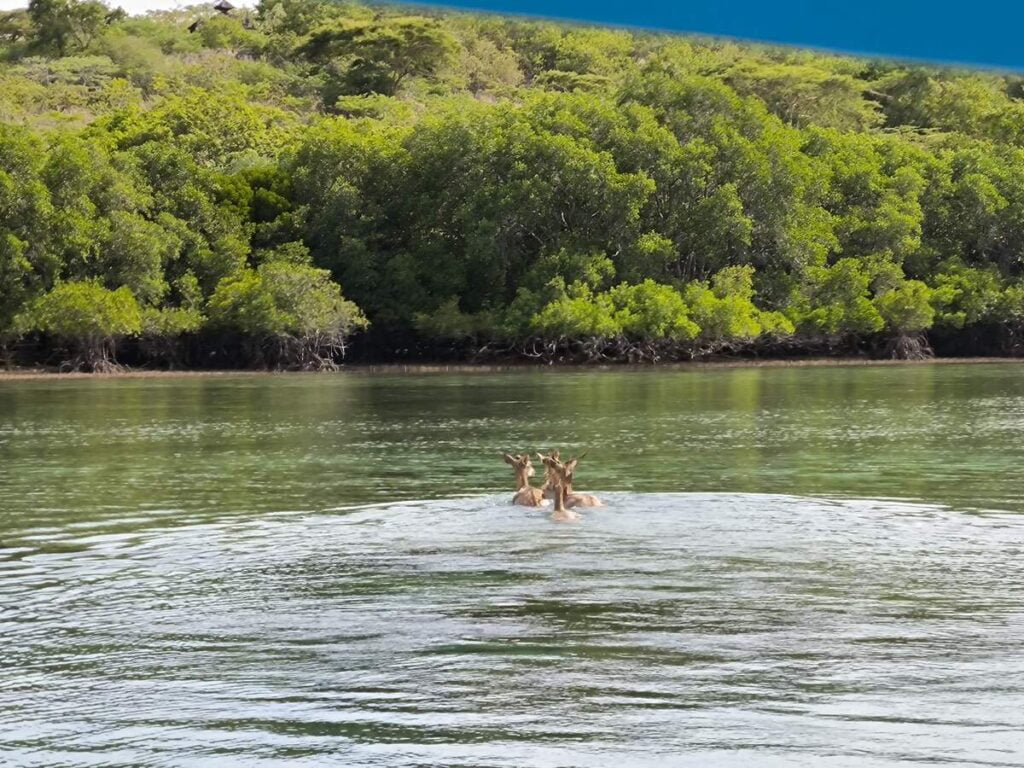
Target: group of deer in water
558,477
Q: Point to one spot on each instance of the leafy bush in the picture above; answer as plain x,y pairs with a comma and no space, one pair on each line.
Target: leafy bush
88,318
295,309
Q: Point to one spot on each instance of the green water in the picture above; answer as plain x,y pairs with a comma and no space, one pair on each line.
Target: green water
795,566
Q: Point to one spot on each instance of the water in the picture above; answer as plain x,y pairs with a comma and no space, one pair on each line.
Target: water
796,567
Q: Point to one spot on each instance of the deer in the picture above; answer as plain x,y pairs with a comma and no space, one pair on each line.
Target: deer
559,479
526,494
572,498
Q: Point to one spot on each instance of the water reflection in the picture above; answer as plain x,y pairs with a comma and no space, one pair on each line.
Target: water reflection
213,447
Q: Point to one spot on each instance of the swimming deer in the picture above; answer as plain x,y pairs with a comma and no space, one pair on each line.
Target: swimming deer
526,494
560,478
572,498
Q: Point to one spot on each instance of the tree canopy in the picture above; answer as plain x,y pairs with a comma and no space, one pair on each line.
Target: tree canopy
257,187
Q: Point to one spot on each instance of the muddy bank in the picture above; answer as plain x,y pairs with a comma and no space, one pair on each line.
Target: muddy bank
24,374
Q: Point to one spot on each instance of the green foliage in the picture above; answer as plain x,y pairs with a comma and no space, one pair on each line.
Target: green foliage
169,38
377,56
1011,304
293,17
721,313
483,66
835,301
874,207
134,252
308,302
296,310
83,309
221,31
66,25
244,303
85,316
807,94
651,310
283,299
907,307
473,177
15,26
214,129
578,313
965,295
725,312
566,82
948,101
26,266
169,322
15,278
448,321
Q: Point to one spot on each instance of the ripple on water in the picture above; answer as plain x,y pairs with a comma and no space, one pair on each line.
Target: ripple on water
714,629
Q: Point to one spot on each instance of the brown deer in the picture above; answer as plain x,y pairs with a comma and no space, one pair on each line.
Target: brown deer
526,494
572,498
559,479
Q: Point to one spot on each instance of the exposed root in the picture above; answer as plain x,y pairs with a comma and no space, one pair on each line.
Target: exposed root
94,355
614,350
910,347
309,352
91,364
107,366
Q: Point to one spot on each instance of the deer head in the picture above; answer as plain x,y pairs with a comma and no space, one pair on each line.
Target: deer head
569,471
521,465
557,473
560,476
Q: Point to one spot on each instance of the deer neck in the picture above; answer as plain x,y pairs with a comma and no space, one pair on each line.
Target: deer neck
522,479
559,498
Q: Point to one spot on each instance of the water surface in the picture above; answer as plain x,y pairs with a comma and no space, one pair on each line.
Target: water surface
815,566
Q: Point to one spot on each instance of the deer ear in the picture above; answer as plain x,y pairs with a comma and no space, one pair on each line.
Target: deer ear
508,458
571,464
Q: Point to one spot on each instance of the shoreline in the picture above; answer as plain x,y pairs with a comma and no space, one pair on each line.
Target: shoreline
43,374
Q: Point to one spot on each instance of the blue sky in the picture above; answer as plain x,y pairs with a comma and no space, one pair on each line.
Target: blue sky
984,32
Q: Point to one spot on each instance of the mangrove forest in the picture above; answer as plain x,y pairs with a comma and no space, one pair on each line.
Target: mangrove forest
307,182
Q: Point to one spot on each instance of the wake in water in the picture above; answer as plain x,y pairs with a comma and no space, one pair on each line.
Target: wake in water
666,629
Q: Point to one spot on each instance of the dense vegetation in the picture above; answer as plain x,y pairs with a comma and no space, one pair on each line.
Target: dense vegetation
201,194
